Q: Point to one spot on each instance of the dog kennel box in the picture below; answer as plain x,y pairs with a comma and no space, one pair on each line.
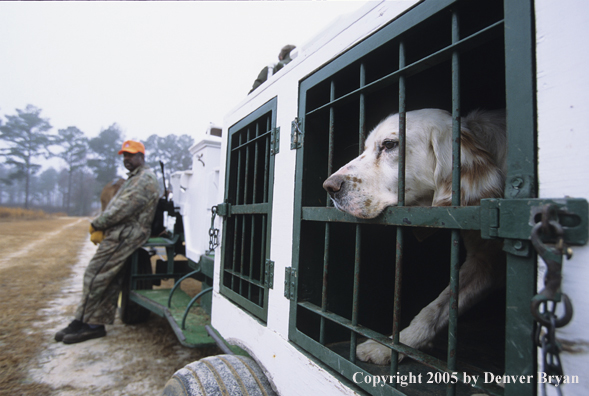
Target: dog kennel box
195,193
298,284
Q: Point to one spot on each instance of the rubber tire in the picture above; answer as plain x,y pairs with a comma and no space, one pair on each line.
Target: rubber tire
220,375
130,312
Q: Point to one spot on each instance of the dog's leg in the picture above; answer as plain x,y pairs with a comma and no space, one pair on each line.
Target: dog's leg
480,273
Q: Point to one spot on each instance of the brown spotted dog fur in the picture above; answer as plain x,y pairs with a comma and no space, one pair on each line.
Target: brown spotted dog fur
109,191
368,184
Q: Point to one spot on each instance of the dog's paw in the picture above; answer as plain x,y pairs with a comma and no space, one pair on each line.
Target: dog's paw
373,352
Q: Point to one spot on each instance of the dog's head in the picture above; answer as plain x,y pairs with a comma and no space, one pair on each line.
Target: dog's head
368,184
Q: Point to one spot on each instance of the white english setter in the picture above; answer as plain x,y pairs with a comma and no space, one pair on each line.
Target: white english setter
368,184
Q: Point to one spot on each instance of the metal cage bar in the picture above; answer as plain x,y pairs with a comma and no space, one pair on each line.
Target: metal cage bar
267,157
242,252
456,201
401,202
247,167
356,292
358,228
262,254
327,225
256,161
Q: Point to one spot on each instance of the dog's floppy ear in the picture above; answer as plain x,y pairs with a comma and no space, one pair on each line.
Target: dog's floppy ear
480,177
441,148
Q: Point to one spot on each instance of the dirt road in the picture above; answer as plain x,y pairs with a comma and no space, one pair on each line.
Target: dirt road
130,360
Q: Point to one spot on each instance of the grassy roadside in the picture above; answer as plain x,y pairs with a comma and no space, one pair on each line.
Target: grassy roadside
37,261
37,256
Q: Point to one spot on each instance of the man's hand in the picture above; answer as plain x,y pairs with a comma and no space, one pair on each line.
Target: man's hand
92,229
96,237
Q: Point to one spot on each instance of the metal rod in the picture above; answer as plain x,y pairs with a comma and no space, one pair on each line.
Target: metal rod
219,341
251,141
238,188
177,285
237,202
401,202
331,132
324,286
402,128
267,159
456,200
256,155
251,259
247,169
255,282
233,252
199,295
327,226
362,130
263,257
358,250
242,252
356,292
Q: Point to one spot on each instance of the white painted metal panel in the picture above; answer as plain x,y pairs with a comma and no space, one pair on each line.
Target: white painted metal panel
195,192
562,33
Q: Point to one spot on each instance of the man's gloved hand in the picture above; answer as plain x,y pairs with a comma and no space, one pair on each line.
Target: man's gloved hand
96,237
92,229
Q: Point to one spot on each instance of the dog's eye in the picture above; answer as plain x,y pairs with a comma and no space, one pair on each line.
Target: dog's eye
390,144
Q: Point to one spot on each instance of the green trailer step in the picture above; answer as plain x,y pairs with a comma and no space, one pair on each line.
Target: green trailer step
194,334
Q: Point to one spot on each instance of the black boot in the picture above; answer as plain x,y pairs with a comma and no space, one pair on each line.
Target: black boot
74,326
84,334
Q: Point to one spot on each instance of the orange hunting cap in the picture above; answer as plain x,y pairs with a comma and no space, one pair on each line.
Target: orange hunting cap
131,146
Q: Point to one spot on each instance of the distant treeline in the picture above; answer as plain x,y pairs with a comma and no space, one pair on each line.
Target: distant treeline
26,138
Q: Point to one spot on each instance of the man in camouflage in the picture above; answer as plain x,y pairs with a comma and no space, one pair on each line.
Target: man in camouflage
120,229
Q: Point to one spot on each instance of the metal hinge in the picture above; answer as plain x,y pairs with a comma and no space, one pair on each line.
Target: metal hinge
513,220
224,209
290,277
275,141
296,134
269,274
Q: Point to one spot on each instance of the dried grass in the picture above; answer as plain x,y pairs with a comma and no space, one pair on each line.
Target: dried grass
21,214
40,255
27,282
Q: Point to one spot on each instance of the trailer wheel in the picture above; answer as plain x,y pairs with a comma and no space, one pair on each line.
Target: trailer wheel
129,311
220,375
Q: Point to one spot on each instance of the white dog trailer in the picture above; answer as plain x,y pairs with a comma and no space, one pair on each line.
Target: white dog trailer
299,284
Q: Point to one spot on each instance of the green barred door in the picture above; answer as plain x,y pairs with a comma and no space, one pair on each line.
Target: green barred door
252,144
354,279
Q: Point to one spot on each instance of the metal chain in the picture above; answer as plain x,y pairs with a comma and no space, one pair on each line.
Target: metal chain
213,232
544,304
551,365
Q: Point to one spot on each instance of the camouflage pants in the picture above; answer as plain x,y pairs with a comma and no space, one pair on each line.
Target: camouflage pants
103,278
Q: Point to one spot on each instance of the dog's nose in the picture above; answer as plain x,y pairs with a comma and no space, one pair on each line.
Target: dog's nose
333,184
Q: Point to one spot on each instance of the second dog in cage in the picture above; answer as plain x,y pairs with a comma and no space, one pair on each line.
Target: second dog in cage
369,184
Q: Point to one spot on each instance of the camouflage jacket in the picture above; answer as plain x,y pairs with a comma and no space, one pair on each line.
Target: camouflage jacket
134,203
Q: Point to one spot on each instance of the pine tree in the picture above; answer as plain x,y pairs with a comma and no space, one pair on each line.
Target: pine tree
26,137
